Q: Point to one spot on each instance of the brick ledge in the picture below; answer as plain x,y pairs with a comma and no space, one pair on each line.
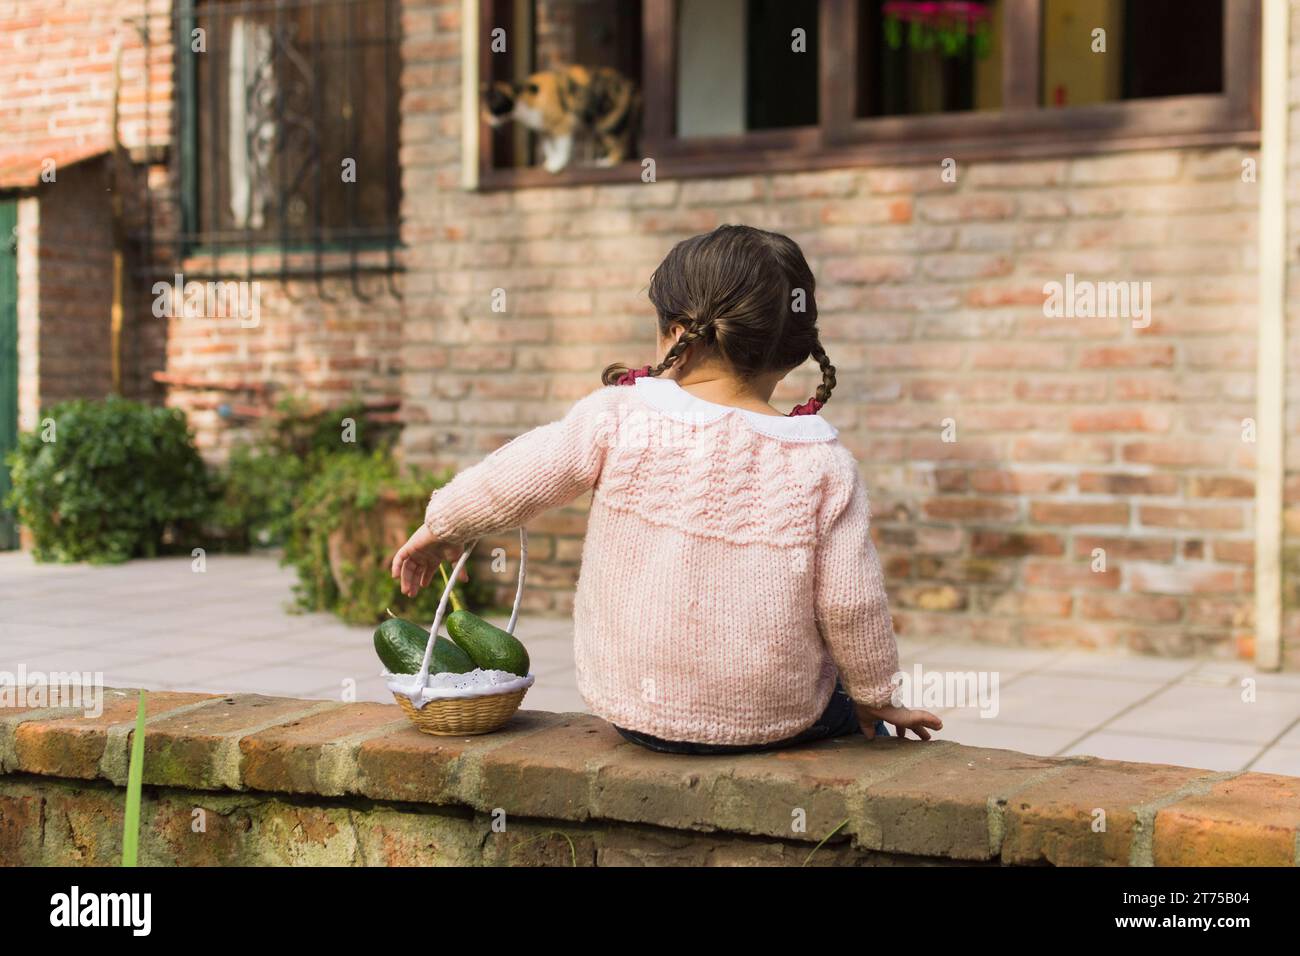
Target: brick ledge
939,802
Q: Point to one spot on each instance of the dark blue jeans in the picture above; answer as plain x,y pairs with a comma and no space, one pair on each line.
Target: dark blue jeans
837,720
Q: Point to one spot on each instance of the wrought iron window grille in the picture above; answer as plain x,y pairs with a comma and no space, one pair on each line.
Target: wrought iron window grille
286,133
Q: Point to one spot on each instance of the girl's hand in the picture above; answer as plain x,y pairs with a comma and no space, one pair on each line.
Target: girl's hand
417,561
903,719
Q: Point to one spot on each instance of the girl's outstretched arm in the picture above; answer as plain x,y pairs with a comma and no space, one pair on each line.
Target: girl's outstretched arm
544,468
853,612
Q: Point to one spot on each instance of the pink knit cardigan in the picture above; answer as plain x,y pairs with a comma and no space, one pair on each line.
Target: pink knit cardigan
727,573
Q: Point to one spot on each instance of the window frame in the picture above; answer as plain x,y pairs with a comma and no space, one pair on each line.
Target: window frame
1020,129
297,257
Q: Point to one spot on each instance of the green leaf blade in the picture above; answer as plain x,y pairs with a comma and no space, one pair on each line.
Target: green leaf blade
134,784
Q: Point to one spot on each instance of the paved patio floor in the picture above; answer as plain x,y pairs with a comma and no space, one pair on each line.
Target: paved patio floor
157,624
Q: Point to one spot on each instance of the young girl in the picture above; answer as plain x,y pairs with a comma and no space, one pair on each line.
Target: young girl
730,597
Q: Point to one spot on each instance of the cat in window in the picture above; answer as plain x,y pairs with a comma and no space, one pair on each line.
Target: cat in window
571,101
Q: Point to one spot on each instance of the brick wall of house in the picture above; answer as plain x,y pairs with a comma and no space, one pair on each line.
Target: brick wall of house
322,341
74,251
1291,487
56,71
328,342
1071,434
57,75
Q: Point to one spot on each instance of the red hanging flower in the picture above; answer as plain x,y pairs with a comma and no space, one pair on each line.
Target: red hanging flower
631,375
810,407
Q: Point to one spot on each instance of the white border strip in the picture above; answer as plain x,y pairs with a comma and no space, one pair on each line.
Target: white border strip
469,131
1271,364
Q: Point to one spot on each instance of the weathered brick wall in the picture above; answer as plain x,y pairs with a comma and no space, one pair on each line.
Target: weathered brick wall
322,343
1071,434
57,76
56,72
65,290
297,782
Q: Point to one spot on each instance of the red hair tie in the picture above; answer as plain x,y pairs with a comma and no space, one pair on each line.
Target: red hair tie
810,407
631,375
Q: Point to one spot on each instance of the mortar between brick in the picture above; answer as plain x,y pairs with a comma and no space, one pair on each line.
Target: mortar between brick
859,794
337,768
1141,851
227,757
465,774
997,802
117,749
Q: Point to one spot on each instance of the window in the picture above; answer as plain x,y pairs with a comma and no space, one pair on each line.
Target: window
546,36
752,85
759,73
289,129
913,58
1149,48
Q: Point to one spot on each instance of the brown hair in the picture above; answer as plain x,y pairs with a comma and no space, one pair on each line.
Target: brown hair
744,294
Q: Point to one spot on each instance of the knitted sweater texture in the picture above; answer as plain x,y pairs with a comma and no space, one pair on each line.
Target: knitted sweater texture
728,574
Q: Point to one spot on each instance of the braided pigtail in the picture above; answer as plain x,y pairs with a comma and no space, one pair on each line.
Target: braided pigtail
828,373
613,373
823,393
696,331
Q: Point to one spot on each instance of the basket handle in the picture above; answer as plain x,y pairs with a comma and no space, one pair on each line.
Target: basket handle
423,677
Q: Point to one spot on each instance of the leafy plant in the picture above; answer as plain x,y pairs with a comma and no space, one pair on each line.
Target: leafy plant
256,494
300,430
350,519
261,481
105,481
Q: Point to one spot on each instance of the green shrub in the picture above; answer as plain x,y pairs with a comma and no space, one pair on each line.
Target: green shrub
256,491
116,479
374,506
296,429
259,486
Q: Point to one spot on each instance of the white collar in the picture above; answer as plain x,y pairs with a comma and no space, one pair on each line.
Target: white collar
666,396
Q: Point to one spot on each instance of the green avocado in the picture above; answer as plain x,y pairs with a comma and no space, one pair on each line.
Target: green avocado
400,645
487,645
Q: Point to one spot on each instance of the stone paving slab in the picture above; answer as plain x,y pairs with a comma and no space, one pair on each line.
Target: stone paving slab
157,624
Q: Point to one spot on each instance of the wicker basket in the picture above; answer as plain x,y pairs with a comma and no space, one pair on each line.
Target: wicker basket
462,715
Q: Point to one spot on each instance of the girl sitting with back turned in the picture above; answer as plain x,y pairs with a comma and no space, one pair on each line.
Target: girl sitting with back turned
730,597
